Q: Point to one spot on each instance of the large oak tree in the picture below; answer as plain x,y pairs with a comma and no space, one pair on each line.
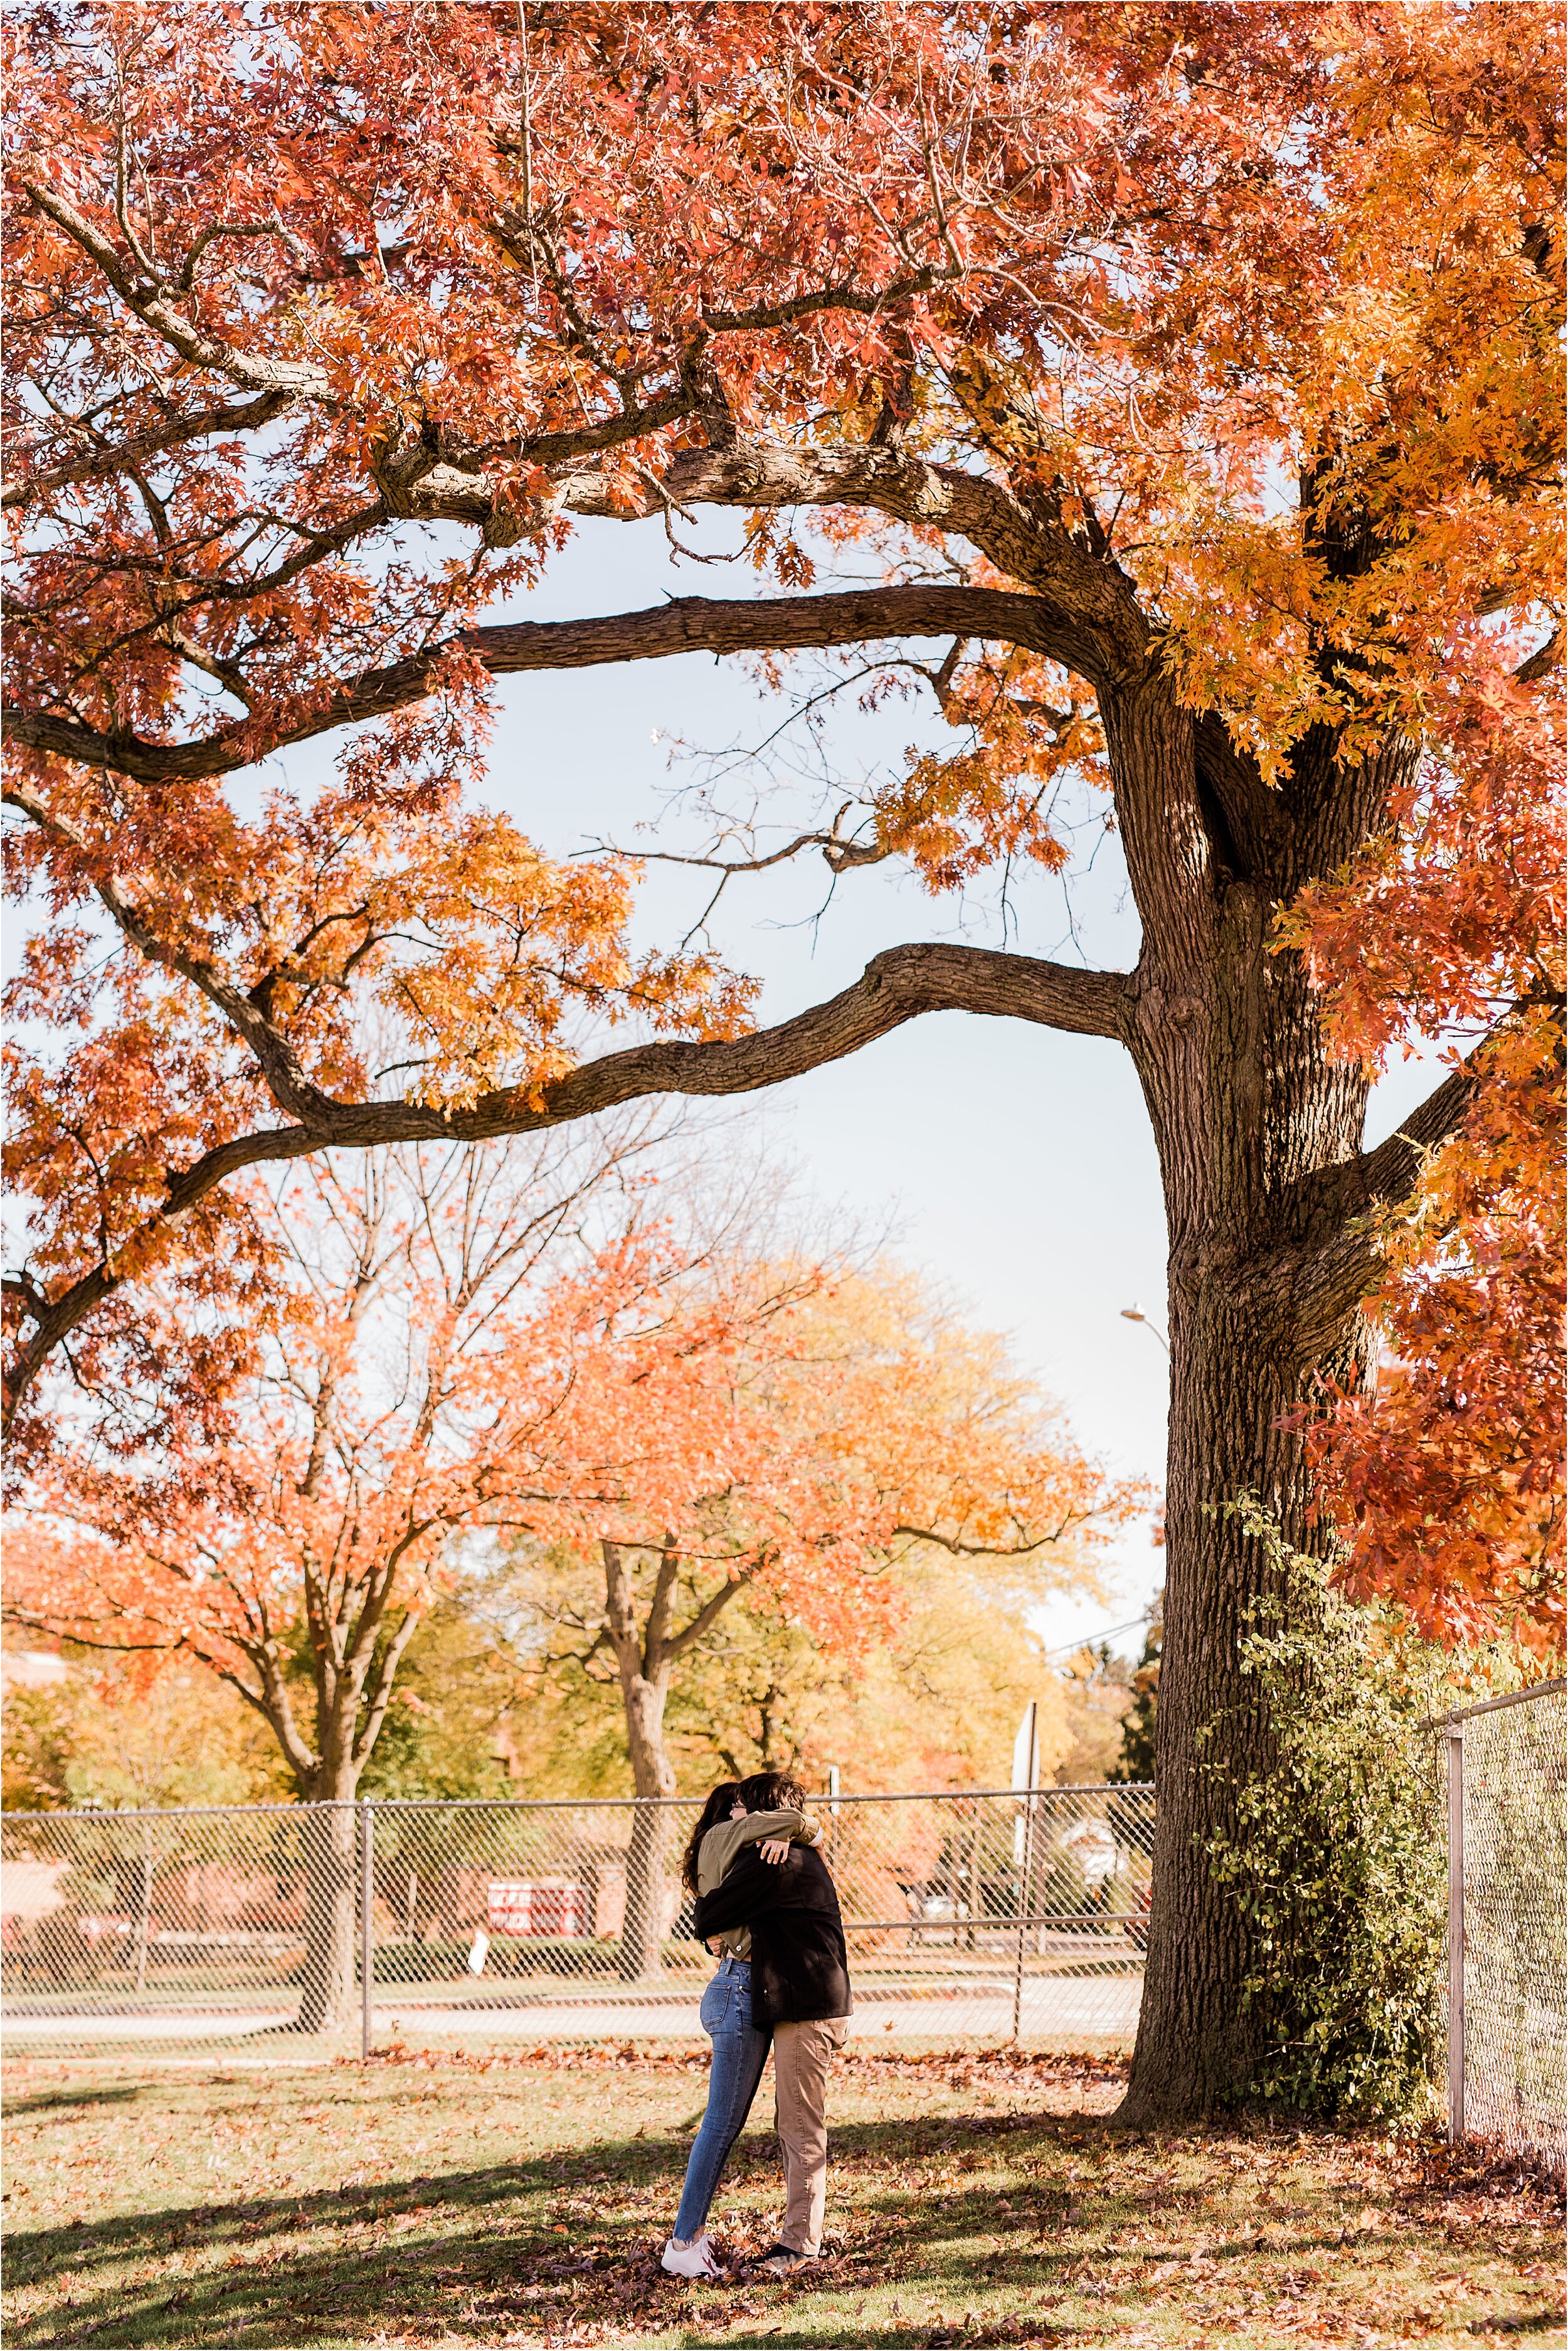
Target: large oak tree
1182,369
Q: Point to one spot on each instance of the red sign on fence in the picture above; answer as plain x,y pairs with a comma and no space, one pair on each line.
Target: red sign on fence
553,1906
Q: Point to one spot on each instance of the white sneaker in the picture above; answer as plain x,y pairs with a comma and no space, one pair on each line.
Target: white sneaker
692,2261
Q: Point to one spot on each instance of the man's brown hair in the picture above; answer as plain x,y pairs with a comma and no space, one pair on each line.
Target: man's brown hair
773,1791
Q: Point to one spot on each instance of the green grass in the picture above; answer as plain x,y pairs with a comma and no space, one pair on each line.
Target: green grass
974,2199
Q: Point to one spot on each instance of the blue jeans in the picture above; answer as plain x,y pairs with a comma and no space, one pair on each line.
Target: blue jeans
739,2053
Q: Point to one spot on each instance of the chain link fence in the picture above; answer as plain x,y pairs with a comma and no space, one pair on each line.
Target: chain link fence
988,1917
1508,1922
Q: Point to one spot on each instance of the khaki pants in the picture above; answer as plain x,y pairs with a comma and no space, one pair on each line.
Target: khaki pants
802,2054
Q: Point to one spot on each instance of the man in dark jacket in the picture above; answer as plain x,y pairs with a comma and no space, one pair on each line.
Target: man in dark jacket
800,1992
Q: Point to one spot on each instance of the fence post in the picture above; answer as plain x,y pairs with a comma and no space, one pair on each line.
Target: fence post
1456,1931
144,1908
1031,1723
367,1925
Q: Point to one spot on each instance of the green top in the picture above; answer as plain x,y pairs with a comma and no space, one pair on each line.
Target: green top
721,1845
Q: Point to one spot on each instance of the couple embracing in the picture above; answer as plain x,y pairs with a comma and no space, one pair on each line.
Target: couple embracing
766,1908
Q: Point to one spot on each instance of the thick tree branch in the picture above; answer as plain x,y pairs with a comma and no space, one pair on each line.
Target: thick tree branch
557,448
1254,821
687,624
1095,594
1392,1171
273,1703
1543,661
1332,1197
899,985
1337,1207
690,1634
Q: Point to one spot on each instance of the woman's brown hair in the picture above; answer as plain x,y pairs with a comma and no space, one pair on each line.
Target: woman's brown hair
717,1808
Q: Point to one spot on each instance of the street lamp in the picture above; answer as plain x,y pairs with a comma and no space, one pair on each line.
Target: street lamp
1137,1314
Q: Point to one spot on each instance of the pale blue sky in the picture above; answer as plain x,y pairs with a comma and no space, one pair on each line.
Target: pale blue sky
1017,1160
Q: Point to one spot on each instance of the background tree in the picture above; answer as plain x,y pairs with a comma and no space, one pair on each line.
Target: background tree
1187,373
111,1732
451,1732
1097,1688
769,1436
934,1702
778,1439
389,1422
699,1430
933,1699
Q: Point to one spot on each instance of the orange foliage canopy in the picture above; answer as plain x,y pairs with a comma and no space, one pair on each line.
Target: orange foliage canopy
421,1393
1448,1480
1246,311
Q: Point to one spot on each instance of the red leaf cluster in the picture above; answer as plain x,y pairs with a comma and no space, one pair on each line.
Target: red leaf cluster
1447,1481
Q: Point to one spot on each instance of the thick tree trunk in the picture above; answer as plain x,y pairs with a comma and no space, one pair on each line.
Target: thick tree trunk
1199,2033
327,1998
647,1870
1248,1109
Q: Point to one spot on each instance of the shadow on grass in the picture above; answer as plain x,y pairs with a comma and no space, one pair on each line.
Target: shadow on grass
42,2100
484,2257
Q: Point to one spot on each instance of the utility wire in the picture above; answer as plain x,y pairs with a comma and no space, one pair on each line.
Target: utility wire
1104,1633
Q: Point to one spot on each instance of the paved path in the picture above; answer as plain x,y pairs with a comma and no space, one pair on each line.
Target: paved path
1054,2008
1050,2010
25,2035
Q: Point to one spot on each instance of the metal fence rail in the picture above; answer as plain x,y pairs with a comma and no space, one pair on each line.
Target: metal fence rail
1508,1922
986,1916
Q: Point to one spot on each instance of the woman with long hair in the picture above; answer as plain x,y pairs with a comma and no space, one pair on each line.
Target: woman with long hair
767,1811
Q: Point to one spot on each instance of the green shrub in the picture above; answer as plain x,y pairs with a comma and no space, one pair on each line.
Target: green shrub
1338,1862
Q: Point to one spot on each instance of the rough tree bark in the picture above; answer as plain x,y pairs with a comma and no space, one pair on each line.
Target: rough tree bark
1259,1135
645,1659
